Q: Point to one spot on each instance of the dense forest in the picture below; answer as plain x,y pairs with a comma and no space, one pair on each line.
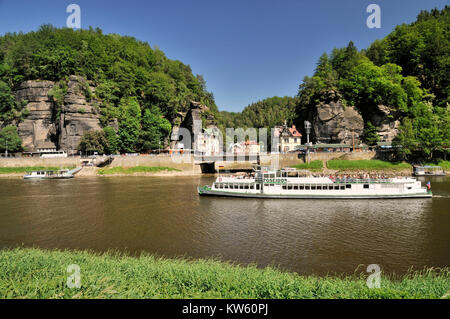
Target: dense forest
138,85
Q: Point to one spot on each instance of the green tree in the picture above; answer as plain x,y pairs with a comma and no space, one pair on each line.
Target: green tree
154,129
370,134
10,109
405,143
129,124
113,145
10,139
93,141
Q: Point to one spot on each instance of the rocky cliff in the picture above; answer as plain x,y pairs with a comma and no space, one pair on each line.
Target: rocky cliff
332,122
62,125
198,113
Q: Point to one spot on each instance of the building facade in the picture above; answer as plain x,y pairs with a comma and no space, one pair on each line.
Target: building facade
289,138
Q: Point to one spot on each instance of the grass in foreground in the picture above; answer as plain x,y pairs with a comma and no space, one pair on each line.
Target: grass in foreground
34,273
135,169
366,165
17,170
313,165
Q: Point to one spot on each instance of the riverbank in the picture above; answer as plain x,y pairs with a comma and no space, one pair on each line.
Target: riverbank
331,167
35,273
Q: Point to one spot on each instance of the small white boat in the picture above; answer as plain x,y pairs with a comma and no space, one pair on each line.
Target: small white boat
61,174
428,171
291,183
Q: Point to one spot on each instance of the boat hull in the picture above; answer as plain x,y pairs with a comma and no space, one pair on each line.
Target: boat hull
47,177
209,192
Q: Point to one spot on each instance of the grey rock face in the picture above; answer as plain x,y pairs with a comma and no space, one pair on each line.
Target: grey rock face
46,123
39,126
77,115
384,120
192,121
335,123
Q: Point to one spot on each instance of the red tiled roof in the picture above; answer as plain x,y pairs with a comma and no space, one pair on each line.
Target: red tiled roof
294,131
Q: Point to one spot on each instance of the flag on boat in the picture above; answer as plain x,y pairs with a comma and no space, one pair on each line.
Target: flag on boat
429,185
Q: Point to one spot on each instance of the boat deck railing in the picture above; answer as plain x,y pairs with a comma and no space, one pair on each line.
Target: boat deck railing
361,181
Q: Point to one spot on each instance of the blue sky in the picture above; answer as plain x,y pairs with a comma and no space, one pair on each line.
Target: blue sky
247,50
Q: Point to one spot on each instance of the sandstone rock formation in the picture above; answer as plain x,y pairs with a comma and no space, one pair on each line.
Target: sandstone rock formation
384,119
77,115
192,121
335,123
39,127
61,125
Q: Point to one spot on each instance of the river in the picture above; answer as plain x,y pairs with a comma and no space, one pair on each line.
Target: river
165,216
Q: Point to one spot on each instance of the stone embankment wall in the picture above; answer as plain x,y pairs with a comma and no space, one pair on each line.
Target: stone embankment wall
184,163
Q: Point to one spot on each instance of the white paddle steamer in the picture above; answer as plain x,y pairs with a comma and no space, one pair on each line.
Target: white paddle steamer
292,183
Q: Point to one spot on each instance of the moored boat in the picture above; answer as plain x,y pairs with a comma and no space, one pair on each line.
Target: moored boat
428,170
61,174
291,183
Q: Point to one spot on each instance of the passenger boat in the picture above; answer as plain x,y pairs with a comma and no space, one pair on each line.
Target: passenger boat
428,171
292,183
61,174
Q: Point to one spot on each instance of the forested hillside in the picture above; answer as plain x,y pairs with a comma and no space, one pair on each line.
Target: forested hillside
136,84
408,72
266,113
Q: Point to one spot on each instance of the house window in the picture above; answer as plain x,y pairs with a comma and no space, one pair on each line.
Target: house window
295,140
286,140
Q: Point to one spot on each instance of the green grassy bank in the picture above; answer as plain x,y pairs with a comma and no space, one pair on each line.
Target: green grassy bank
34,273
444,164
316,165
20,170
135,169
366,165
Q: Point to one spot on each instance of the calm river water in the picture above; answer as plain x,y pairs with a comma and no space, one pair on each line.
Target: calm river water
165,216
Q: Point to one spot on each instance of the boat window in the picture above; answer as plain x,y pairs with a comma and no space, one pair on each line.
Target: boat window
319,187
272,176
313,187
241,186
348,186
289,186
336,187
247,186
226,186
342,187
296,187
302,187
257,186
307,187
284,186
284,174
366,186
252,186
278,174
